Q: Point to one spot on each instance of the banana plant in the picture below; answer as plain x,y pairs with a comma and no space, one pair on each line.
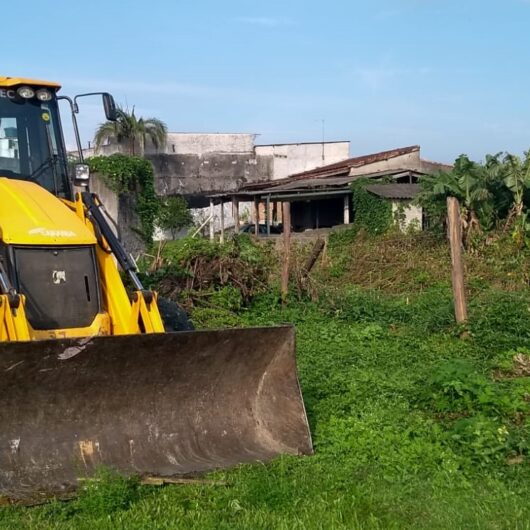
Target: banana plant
517,179
470,184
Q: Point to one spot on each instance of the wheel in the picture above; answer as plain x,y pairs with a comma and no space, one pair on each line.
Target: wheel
173,316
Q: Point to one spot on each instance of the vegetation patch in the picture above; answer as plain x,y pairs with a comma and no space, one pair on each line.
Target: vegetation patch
200,273
372,213
131,176
412,426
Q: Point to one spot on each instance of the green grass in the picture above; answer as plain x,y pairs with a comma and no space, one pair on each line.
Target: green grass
413,426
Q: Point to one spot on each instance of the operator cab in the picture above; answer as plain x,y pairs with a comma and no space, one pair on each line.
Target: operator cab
31,140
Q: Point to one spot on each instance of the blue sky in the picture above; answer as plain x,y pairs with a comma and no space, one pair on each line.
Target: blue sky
452,76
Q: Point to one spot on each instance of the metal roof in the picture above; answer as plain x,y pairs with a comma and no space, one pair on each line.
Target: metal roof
337,169
330,182
328,186
358,161
394,190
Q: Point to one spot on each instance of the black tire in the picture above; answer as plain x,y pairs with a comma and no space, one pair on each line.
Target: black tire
173,316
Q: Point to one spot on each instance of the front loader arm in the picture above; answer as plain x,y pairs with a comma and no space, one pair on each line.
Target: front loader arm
141,313
13,321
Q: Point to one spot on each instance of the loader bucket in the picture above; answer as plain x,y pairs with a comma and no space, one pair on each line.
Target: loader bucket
157,404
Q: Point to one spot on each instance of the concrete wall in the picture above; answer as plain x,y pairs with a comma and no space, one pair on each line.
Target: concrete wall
204,143
200,215
201,163
122,210
188,144
196,164
289,159
189,174
407,214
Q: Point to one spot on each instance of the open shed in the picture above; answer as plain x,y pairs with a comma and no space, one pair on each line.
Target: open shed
314,202
322,197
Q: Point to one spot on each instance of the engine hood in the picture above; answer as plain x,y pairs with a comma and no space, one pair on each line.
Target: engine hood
30,215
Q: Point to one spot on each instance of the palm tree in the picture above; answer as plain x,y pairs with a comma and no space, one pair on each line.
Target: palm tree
131,131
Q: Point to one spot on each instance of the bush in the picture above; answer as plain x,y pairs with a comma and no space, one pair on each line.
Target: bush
372,213
201,272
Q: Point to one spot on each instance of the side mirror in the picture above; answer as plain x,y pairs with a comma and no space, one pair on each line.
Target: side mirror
81,174
110,107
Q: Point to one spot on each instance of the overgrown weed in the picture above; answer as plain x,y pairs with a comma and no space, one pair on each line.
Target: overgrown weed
413,427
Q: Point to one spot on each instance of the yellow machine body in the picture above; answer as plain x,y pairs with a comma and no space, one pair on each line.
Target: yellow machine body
31,216
117,391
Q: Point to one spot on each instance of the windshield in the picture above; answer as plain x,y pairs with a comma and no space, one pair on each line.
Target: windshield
31,146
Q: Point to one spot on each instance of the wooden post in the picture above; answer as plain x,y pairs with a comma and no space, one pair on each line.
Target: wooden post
212,227
256,217
455,241
267,214
347,209
235,214
318,247
286,216
222,238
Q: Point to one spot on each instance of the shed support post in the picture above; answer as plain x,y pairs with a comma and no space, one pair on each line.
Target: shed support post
346,209
256,217
212,227
222,238
268,214
235,214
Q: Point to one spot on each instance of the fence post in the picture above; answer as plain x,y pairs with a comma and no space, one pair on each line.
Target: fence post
455,241
286,218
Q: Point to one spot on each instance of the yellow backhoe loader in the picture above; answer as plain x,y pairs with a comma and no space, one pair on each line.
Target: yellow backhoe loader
88,376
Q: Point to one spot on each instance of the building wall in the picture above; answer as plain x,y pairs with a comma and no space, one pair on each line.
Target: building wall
188,144
204,143
192,174
407,214
122,210
197,164
289,159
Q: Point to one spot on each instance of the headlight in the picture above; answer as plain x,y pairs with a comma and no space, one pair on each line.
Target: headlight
82,174
26,92
44,95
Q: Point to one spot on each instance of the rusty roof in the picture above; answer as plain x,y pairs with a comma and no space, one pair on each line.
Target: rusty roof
336,169
358,161
394,190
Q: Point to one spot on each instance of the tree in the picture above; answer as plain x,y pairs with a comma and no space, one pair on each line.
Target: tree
132,132
174,215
